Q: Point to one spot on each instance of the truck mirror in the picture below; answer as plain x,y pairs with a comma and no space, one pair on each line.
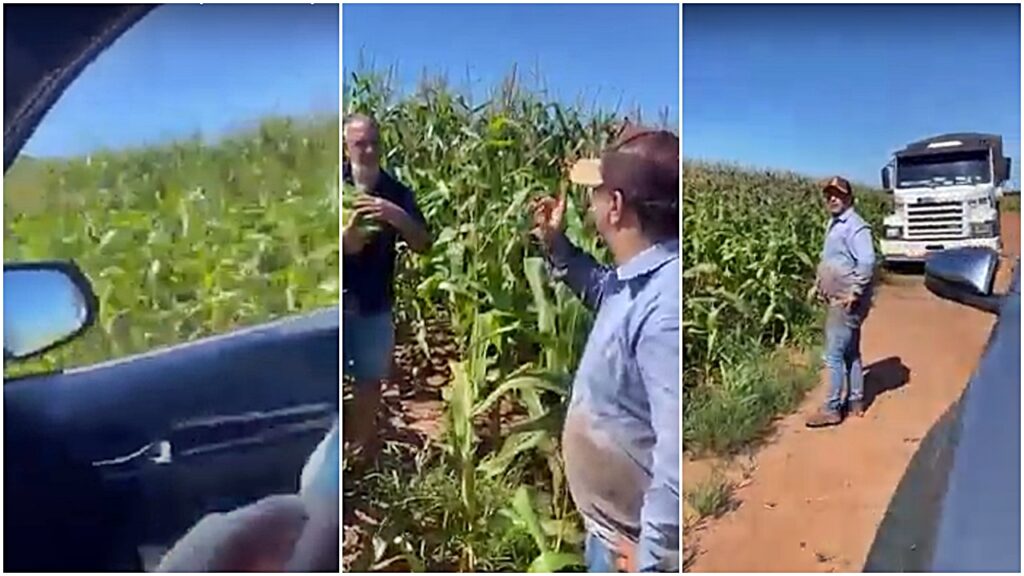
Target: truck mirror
964,275
885,179
1007,165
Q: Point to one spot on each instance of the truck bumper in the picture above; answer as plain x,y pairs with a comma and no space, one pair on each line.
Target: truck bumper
918,250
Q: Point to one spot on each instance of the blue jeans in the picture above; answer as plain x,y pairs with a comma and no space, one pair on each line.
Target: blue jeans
367,346
842,357
598,556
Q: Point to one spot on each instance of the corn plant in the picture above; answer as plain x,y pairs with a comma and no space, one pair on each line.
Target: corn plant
185,239
476,168
549,560
349,195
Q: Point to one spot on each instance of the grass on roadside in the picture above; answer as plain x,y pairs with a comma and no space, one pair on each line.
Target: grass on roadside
689,555
711,498
1010,204
746,397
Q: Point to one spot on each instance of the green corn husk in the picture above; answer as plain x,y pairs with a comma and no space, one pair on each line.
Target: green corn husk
349,194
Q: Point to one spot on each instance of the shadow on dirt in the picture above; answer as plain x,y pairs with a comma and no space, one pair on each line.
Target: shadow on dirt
905,268
905,538
884,376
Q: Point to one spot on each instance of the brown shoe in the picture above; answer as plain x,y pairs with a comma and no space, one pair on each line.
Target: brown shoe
857,408
823,418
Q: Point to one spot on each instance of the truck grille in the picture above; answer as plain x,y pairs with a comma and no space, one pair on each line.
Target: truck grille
935,221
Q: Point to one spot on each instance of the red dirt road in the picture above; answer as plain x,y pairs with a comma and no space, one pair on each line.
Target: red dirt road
813,499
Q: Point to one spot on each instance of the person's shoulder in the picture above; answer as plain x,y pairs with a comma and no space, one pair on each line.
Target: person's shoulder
393,184
665,296
858,222
660,319
672,269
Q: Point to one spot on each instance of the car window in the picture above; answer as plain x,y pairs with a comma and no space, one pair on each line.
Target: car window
192,173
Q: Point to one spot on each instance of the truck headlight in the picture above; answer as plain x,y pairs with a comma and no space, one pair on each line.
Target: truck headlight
983,229
893,232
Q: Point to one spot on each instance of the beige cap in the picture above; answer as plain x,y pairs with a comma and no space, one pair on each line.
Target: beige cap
610,166
586,172
839,184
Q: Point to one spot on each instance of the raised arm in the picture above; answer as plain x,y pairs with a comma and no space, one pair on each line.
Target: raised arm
579,270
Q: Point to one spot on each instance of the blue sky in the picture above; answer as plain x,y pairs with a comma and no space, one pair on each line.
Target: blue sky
198,68
826,89
40,309
607,53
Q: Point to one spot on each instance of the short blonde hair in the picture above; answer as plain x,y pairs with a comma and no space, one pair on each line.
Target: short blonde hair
360,118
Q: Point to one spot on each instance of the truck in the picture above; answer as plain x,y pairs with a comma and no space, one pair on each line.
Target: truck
945,194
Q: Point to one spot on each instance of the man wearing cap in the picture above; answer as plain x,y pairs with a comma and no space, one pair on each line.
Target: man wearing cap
844,283
621,440
369,266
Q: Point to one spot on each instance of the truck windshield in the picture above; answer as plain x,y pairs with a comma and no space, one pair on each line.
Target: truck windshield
943,169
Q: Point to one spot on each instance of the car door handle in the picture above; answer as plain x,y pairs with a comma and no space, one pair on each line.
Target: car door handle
214,434
158,452
161,453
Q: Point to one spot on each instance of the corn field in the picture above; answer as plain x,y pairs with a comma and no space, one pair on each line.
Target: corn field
188,239
750,246
475,169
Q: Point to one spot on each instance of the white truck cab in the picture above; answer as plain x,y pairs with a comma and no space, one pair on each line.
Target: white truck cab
945,193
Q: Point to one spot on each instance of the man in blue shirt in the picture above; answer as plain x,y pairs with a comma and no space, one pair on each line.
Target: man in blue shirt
844,283
621,441
369,268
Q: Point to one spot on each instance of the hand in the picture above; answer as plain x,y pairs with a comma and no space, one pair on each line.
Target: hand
353,239
625,555
379,210
847,301
549,217
820,296
259,537
317,549
813,293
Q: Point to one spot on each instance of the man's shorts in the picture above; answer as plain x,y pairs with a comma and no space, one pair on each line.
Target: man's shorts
368,342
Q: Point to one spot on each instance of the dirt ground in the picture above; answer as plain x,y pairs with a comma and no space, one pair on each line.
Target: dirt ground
411,417
811,500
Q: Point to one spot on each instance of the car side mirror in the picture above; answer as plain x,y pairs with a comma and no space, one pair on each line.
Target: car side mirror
46,304
886,183
964,275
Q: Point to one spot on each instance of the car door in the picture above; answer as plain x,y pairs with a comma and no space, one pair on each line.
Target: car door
956,508
180,430
206,426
